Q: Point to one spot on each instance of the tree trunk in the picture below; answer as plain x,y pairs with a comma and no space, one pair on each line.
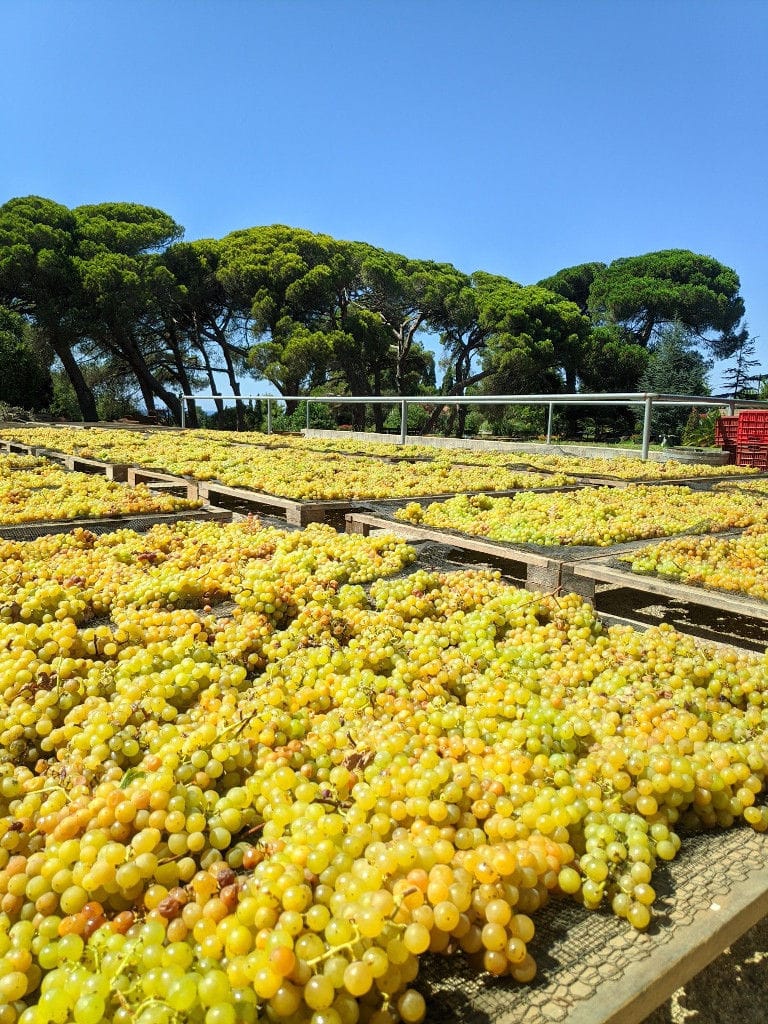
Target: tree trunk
84,395
461,420
181,371
220,338
457,389
378,409
218,402
405,335
150,386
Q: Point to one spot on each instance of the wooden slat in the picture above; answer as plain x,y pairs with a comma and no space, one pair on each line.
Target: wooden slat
138,475
598,570
466,542
595,969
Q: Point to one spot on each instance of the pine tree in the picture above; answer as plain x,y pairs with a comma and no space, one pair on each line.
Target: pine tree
737,379
675,367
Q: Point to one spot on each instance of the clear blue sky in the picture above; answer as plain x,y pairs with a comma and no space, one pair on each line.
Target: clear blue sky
517,137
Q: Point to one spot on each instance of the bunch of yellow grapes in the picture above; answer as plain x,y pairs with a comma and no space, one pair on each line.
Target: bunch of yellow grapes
121,445
247,774
735,564
37,490
598,516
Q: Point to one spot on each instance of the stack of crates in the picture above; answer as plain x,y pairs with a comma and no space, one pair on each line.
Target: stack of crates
752,439
725,434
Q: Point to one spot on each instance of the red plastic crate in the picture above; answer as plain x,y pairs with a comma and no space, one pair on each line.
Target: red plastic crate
725,430
752,426
755,455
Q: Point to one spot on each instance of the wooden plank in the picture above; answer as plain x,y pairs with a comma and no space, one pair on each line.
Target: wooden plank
111,470
383,512
179,489
211,488
682,481
464,541
647,983
17,448
600,570
574,583
296,513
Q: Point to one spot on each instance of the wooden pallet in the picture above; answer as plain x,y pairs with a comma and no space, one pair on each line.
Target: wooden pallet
17,448
588,573
570,568
693,481
539,571
297,513
118,472
595,969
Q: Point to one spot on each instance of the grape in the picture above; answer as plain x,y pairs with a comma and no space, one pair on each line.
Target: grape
12,986
89,1009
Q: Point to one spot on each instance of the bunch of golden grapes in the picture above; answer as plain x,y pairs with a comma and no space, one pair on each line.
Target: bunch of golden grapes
592,515
248,774
735,564
36,490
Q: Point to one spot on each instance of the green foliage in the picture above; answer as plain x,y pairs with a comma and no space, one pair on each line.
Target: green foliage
574,283
321,417
25,380
114,397
535,337
417,417
610,361
674,367
646,293
252,417
739,379
63,404
699,429
39,280
13,412
521,422
329,312
113,284
127,229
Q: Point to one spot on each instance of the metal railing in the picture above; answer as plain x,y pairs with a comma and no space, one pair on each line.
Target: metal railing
642,398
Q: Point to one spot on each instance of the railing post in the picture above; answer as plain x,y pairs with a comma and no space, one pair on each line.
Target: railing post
549,422
403,421
183,404
269,416
647,427
307,414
